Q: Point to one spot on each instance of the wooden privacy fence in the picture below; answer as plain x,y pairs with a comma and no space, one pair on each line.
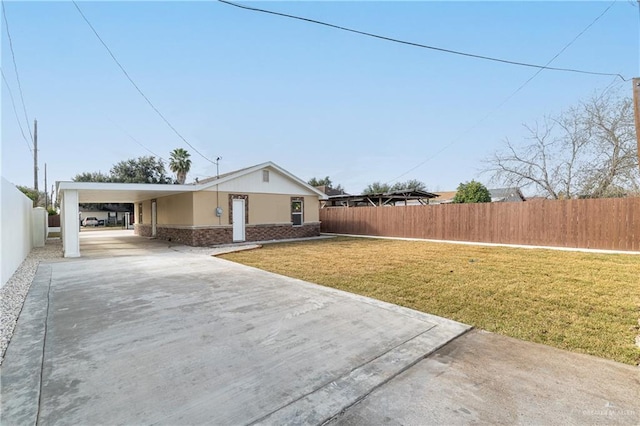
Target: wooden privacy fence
54,221
612,223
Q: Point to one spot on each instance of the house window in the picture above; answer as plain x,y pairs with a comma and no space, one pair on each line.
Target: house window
265,175
140,213
297,211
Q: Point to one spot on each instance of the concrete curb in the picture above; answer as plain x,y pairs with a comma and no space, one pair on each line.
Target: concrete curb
225,250
22,366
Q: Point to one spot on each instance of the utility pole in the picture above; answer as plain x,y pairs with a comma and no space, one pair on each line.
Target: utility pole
35,161
636,107
46,193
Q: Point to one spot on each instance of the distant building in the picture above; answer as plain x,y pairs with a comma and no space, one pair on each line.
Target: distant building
498,195
330,191
402,197
445,197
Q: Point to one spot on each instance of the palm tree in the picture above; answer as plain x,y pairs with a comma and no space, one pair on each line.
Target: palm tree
180,164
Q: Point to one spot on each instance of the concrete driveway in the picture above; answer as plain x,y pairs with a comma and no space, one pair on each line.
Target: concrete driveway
137,332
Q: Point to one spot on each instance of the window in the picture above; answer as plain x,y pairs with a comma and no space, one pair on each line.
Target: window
140,213
265,175
297,211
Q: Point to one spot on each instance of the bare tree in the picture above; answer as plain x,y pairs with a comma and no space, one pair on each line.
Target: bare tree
614,149
587,151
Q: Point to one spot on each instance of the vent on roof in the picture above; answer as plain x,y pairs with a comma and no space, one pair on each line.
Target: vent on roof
265,175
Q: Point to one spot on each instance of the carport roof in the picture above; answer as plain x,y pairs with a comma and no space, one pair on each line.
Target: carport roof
94,192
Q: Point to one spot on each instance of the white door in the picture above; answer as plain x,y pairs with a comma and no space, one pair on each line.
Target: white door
154,218
238,217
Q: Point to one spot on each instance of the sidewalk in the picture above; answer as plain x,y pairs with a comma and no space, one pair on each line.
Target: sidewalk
486,378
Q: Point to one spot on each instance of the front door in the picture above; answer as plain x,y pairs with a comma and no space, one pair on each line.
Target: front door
154,218
238,216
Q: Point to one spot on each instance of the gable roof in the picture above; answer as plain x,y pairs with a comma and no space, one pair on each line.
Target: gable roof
445,197
101,192
215,178
226,177
506,194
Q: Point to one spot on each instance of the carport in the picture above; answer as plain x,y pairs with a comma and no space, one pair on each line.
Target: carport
71,194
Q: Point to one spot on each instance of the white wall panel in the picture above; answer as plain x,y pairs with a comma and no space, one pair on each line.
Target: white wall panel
15,229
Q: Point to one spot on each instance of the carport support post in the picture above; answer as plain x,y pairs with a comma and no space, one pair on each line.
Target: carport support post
70,224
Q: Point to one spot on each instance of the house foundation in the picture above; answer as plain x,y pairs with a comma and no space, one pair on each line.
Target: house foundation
215,235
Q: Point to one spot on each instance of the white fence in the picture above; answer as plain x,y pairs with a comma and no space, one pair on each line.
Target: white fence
21,228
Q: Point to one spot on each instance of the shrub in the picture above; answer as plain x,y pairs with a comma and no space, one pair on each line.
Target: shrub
472,192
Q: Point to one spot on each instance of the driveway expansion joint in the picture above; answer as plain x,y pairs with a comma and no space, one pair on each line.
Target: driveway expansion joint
44,344
330,400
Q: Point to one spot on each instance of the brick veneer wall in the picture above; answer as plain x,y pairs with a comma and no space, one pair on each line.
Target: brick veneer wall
224,234
281,232
142,230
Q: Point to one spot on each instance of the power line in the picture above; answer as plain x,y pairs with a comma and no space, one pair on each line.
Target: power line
15,111
136,86
423,46
145,147
15,67
135,140
558,54
490,113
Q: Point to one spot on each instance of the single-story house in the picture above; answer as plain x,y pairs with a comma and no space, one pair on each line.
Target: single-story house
110,214
262,202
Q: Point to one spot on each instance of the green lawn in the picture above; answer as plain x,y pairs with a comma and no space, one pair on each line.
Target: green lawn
583,302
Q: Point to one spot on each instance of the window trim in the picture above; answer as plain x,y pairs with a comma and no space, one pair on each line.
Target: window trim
301,213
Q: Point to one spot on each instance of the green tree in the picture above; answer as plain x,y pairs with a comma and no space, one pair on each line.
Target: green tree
472,192
325,182
36,196
146,169
180,164
320,182
92,177
412,184
380,188
376,188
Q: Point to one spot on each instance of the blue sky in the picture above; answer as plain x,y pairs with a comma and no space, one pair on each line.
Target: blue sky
251,87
